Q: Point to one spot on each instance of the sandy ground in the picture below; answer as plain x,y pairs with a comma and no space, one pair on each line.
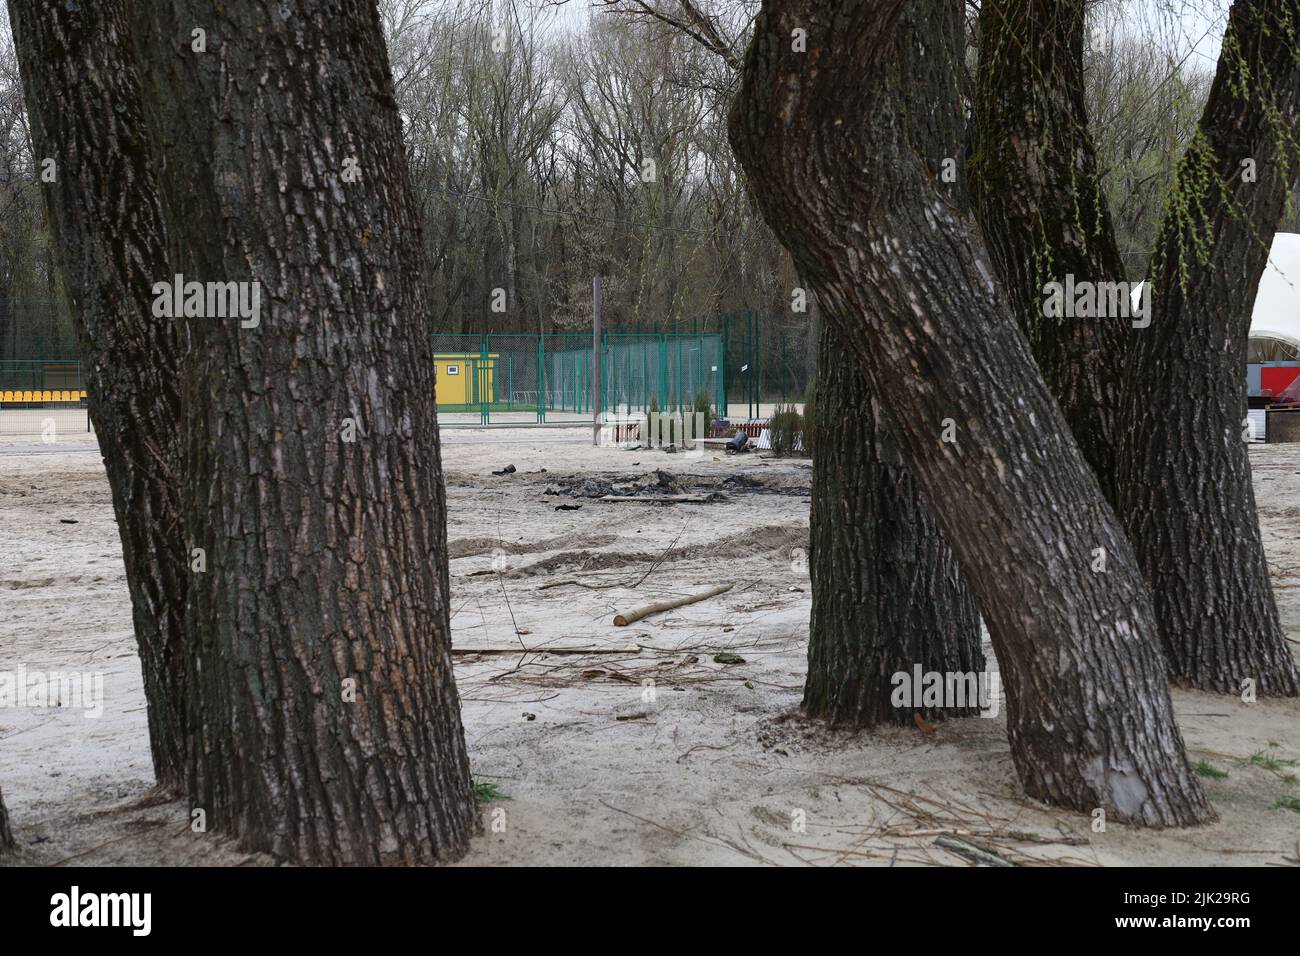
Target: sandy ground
642,749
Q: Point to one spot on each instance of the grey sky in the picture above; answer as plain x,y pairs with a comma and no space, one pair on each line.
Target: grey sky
1191,28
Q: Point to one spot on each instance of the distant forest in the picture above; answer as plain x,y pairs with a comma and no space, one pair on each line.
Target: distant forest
547,147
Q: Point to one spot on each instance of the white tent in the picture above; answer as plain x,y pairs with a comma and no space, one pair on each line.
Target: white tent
1276,316
1277,306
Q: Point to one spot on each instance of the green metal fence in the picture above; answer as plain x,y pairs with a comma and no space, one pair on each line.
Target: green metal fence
505,379
513,379
766,358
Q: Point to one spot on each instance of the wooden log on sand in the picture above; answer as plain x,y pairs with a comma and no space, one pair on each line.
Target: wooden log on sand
623,620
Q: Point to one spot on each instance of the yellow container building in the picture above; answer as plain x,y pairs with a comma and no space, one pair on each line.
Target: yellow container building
464,378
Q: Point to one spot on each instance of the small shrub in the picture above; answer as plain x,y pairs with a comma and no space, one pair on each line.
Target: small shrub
1270,761
487,792
1206,769
784,430
703,408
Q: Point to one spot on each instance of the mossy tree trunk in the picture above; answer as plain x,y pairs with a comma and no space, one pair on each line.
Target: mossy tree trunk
902,272
1038,196
1185,487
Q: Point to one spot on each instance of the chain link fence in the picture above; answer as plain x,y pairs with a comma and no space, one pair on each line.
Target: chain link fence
492,378
547,378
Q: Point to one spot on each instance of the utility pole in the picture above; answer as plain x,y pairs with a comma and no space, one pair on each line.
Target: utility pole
596,297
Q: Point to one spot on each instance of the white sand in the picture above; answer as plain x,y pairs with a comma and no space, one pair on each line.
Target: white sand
716,768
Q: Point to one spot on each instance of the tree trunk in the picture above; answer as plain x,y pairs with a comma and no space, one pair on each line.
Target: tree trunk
905,277
327,723
886,591
887,595
6,835
86,113
1038,197
1185,489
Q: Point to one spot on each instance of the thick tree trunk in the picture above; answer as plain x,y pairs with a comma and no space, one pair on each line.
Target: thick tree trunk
1185,489
887,595
86,113
327,723
911,287
886,591
1038,197
6,834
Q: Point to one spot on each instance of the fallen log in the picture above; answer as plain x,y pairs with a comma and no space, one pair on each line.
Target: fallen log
623,620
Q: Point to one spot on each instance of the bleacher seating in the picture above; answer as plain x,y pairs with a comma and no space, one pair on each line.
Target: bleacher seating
46,396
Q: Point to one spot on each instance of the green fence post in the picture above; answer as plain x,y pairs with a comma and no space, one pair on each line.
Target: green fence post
484,413
726,344
663,372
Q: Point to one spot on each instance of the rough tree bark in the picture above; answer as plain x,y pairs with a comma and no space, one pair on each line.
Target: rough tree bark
6,834
906,278
1184,486
886,590
887,593
86,114
327,723
1038,196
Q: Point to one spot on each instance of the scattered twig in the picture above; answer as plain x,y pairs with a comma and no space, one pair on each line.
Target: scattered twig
664,499
585,649
662,555
969,850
